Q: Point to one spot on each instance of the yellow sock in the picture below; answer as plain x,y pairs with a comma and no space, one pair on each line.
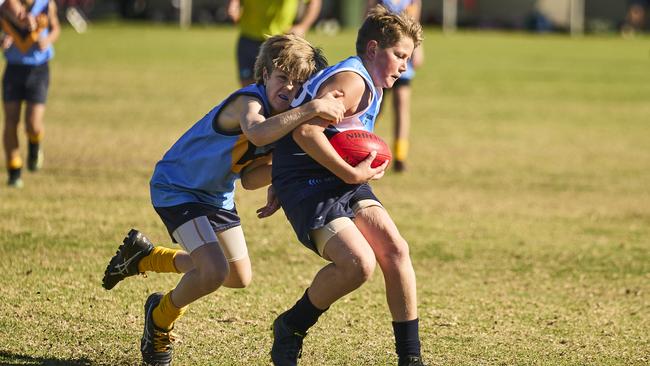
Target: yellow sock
401,149
160,260
35,139
15,163
166,313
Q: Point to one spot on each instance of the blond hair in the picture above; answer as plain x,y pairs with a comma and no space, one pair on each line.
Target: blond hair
290,54
387,28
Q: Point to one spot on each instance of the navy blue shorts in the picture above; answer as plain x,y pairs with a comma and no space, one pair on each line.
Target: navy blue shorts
247,50
175,216
26,82
318,210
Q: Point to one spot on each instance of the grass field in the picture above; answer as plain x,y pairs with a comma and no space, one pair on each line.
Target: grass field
526,206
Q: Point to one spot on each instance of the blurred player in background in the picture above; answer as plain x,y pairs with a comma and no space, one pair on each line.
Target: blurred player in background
259,19
28,50
328,202
635,19
12,8
193,187
402,89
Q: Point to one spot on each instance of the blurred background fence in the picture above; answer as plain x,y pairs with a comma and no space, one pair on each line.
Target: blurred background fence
591,16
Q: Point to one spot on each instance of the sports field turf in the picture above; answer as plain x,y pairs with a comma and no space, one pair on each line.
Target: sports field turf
526,206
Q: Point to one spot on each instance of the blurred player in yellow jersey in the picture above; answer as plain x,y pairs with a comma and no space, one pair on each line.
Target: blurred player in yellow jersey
259,19
402,89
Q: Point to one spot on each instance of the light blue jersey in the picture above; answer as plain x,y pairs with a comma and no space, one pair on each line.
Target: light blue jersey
365,119
203,165
296,175
25,50
396,6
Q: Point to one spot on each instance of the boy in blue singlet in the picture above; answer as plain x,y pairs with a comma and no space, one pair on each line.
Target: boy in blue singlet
330,204
28,48
192,188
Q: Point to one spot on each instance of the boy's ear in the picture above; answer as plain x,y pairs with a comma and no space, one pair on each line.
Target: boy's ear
371,49
265,74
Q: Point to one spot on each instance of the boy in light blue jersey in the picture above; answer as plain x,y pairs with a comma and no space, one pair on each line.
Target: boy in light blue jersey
28,48
193,186
330,204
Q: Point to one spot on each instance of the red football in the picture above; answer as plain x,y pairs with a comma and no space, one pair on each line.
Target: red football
355,145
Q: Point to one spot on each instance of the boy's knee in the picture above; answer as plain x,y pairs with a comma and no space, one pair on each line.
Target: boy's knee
359,269
397,252
210,279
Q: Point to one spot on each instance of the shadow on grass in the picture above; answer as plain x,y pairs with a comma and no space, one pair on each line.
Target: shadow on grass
12,359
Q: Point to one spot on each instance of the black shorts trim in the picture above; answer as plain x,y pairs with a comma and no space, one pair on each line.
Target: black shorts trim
220,218
318,210
26,82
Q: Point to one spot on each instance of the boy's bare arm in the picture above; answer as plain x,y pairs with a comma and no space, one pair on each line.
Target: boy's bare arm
261,131
312,140
55,27
311,14
257,174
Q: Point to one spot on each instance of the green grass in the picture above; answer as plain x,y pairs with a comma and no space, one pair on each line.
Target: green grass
526,206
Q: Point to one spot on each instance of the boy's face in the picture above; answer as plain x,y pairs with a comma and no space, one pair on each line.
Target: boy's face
280,90
389,63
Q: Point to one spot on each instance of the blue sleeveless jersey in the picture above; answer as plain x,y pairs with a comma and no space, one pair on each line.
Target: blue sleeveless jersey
24,50
296,175
396,6
203,165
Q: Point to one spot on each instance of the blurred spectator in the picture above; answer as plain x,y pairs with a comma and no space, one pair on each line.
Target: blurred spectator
635,18
259,19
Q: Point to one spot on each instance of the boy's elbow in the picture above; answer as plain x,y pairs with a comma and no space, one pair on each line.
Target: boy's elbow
246,185
303,132
257,139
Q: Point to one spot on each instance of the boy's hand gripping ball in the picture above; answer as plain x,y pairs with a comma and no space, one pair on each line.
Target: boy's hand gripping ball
355,145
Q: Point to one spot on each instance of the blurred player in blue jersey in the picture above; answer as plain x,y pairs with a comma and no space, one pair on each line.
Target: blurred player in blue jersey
329,203
28,50
402,89
193,186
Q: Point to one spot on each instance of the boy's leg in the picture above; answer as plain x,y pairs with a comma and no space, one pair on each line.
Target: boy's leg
10,141
233,244
210,271
392,253
402,104
35,130
352,264
161,311
247,50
